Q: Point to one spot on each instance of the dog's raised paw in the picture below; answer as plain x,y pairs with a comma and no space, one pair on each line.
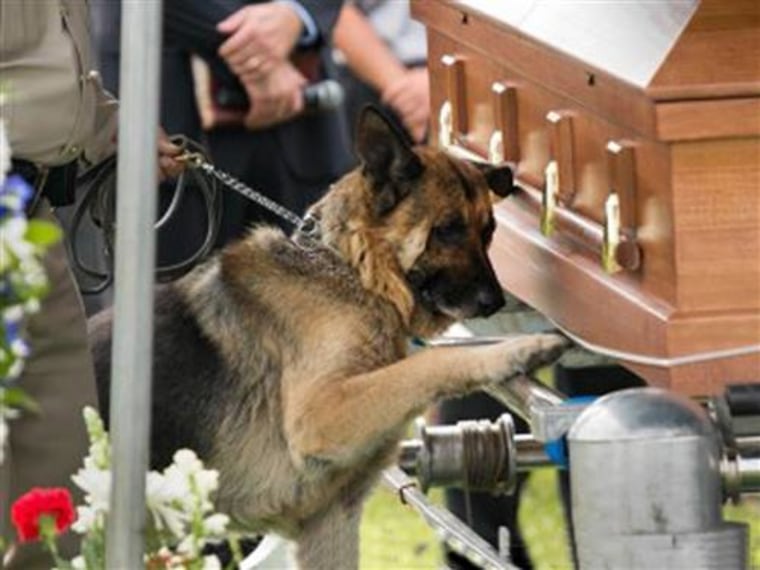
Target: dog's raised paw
550,347
526,353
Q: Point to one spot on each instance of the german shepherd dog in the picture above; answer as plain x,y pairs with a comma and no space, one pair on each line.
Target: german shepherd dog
282,361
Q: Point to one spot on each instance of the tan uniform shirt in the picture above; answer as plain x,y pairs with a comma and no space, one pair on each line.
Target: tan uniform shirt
54,106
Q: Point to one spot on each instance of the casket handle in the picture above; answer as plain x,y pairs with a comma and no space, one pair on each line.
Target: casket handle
457,150
549,198
620,249
454,85
611,236
445,125
503,145
562,152
559,176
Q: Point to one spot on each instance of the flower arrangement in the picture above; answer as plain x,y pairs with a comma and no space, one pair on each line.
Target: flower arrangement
181,518
180,514
23,282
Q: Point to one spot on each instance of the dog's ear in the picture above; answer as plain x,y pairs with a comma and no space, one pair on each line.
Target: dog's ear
499,178
387,158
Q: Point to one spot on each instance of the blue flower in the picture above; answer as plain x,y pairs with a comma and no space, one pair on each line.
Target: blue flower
15,185
11,331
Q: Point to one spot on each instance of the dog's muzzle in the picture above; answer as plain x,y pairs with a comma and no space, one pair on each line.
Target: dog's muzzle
462,299
489,299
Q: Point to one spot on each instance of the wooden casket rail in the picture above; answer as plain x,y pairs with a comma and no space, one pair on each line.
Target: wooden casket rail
637,226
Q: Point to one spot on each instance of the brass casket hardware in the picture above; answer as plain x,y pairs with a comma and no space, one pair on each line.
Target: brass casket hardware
549,198
562,152
620,249
504,143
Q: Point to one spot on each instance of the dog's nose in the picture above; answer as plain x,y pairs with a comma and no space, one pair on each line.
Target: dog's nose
490,300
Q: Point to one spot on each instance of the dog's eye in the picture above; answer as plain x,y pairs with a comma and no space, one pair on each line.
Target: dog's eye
450,232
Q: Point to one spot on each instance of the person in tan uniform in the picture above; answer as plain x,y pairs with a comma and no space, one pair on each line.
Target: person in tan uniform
58,119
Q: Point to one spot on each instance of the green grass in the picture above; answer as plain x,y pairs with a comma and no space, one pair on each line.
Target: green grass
542,521
394,537
748,512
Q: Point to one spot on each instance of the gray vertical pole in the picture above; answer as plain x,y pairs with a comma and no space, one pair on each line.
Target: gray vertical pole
135,242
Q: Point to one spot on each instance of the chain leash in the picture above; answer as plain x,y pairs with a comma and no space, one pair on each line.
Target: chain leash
197,160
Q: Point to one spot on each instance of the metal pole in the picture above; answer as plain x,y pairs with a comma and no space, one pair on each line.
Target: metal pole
454,532
524,396
135,256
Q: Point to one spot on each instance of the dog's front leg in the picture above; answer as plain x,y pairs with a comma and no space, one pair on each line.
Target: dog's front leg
330,540
341,420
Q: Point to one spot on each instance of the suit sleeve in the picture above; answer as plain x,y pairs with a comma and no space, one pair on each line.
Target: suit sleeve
325,14
191,24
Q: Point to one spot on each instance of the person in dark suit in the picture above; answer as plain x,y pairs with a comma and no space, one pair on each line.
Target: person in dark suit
260,56
276,147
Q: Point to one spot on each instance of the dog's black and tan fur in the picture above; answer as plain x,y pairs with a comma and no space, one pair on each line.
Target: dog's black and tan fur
283,363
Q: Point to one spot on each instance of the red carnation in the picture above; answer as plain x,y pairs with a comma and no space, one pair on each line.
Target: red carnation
54,502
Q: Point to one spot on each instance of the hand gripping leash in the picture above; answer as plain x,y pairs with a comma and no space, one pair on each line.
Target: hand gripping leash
98,198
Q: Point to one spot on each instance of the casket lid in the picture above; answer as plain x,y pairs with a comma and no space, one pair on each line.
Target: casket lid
682,49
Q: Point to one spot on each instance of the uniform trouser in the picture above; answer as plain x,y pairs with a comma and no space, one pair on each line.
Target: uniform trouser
45,450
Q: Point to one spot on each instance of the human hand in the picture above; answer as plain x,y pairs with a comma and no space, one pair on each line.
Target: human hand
260,37
275,97
409,96
168,165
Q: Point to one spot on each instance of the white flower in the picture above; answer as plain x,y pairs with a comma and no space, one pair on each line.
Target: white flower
216,524
32,306
78,563
15,369
189,547
162,498
187,462
87,520
178,500
100,447
9,413
96,484
207,481
177,483
13,313
19,348
211,563
14,237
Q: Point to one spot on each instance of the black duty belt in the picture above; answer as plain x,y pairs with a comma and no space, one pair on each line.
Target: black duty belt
56,183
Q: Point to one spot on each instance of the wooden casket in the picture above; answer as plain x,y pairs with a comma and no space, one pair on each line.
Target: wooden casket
634,130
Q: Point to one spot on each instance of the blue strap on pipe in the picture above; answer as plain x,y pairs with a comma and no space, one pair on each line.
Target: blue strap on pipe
556,449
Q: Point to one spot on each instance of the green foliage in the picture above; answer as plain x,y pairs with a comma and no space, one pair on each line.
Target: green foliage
18,399
42,234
